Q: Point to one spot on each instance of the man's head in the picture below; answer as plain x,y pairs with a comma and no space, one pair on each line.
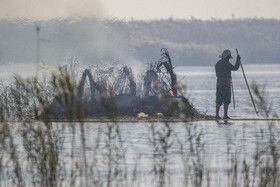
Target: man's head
226,54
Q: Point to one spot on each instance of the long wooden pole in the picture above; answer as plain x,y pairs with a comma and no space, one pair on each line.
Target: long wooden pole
247,84
37,50
232,95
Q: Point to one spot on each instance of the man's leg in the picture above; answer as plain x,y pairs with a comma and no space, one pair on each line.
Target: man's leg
226,111
227,100
217,111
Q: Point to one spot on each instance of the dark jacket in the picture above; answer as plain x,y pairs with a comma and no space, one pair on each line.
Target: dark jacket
223,70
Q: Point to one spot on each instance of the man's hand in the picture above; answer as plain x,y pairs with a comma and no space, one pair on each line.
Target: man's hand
238,57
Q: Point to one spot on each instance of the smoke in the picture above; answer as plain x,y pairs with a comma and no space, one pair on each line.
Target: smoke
61,36
50,9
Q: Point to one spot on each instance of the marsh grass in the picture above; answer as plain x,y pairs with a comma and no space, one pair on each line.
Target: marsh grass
35,151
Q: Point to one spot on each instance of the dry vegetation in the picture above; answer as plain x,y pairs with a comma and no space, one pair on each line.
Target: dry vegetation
38,152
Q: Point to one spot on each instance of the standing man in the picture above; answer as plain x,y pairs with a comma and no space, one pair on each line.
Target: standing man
223,73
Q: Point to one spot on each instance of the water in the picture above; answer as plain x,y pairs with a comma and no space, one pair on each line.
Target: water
222,142
180,149
177,147
201,87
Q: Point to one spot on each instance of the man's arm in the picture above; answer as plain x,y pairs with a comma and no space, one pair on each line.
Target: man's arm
237,64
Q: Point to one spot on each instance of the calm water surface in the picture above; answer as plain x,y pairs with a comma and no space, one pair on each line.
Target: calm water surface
201,87
220,140
143,143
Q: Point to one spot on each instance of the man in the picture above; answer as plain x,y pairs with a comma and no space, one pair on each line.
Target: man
223,72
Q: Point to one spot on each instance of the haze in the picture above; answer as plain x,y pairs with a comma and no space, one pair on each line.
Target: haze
201,9
140,9
194,39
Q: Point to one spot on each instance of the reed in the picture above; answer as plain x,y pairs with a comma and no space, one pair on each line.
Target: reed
35,151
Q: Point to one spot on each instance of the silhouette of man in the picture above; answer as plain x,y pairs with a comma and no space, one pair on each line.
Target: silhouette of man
223,70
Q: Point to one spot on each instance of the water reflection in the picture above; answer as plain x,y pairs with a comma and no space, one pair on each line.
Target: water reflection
139,154
222,123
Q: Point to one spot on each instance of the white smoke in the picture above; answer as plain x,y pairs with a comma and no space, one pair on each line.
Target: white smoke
50,9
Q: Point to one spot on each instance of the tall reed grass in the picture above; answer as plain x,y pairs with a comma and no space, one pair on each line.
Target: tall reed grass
35,151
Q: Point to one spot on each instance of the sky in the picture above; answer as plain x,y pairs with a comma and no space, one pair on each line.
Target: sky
140,9
201,9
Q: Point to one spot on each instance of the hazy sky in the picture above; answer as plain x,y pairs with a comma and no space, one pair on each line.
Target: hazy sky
140,9
203,9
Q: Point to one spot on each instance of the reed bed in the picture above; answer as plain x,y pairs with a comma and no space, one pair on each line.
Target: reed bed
38,152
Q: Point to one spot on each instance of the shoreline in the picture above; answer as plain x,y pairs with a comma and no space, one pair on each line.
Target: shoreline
146,120
154,119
